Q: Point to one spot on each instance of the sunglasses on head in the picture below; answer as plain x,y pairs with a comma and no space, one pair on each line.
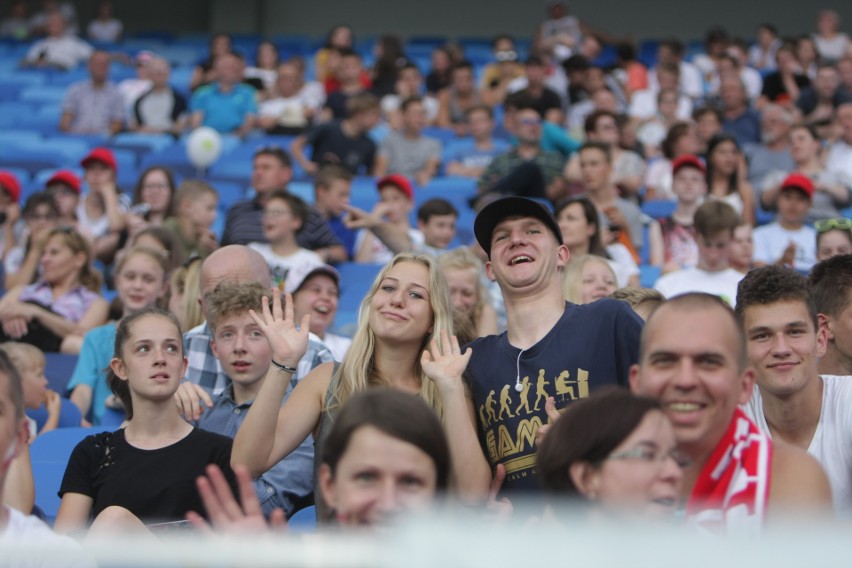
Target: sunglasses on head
841,223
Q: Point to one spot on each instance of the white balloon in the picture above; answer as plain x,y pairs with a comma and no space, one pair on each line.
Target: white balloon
204,146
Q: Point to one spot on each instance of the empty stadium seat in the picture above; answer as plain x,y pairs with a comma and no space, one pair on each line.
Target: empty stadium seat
58,369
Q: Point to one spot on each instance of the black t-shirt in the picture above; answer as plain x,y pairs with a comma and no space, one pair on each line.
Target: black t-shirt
336,103
155,485
591,346
332,146
773,86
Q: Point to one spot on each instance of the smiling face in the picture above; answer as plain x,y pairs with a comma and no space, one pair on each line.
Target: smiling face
378,478
140,282
598,281
696,376
400,309
524,253
576,230
317,296
242,349
783,346
648,481
152,360
464,288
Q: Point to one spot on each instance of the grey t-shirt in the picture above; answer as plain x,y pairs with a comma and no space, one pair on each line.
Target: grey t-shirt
407,156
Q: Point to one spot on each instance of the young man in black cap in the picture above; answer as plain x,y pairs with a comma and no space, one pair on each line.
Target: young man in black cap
551,350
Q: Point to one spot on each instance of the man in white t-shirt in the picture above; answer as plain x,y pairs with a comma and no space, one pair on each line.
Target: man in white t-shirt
792,401
715,222
840,155
788,241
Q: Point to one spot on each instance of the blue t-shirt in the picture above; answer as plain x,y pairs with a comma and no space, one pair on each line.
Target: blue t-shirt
468,155
94,358
224,112
591,346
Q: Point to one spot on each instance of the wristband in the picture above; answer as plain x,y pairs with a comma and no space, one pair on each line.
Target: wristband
285,368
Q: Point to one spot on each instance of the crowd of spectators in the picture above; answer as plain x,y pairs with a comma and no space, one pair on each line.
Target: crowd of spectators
708,193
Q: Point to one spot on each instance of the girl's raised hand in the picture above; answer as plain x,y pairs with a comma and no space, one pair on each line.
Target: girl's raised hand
444,362
287,342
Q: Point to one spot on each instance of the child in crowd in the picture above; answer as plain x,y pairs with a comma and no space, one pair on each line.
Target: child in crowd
283,217
242,349
672,242
741,256
587,279
140,279
436,219
316,291
715,222
195,211
145,474
29,361
465,276
834,236
788,241
101,211
184,292
21,264
64,186
396,199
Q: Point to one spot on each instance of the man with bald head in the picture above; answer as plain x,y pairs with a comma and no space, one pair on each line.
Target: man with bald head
236,264
739,476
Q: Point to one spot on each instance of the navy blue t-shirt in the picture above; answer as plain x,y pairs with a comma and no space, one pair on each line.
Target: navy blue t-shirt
591,346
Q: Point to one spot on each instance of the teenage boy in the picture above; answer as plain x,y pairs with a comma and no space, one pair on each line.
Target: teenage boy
408,152
332,188
715,222
195,211
738,475
793,403
345,142
436,219
245,355
283,217
832,291
553,352
788,241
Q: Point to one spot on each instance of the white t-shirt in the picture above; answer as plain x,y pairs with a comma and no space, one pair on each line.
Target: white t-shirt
771,240
56,550
109,30
691,81
840,159
380,254
337,344
722,283
622,263
643,105
832,441
66,51
98,227
834,48
303,260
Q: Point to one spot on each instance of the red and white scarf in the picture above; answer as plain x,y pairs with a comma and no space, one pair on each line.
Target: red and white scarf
732,490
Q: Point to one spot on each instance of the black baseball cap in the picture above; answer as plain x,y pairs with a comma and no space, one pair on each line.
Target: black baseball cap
493,213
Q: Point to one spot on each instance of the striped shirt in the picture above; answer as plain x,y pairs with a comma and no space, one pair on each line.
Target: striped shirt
244,225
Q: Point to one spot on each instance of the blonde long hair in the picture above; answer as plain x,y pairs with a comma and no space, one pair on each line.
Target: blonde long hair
462,258
572,279
357,371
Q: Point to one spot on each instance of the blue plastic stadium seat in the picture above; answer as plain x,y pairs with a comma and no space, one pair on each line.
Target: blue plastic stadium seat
49,454
52,94
355,281
303,189
69,415
229,193
58,369
648,275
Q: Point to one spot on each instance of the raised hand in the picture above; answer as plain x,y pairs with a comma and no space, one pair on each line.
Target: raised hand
444,362
552,416
287,342
225,513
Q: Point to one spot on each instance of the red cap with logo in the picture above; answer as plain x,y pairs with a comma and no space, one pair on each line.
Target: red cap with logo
400,182
102,155
799,181
10,183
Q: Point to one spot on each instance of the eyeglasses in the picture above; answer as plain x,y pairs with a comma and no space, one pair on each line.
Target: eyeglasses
648,454
824,225
275,213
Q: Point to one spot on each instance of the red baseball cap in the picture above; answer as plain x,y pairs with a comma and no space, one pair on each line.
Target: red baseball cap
799,181
688,160
65,177
400,182
102,155
10,183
